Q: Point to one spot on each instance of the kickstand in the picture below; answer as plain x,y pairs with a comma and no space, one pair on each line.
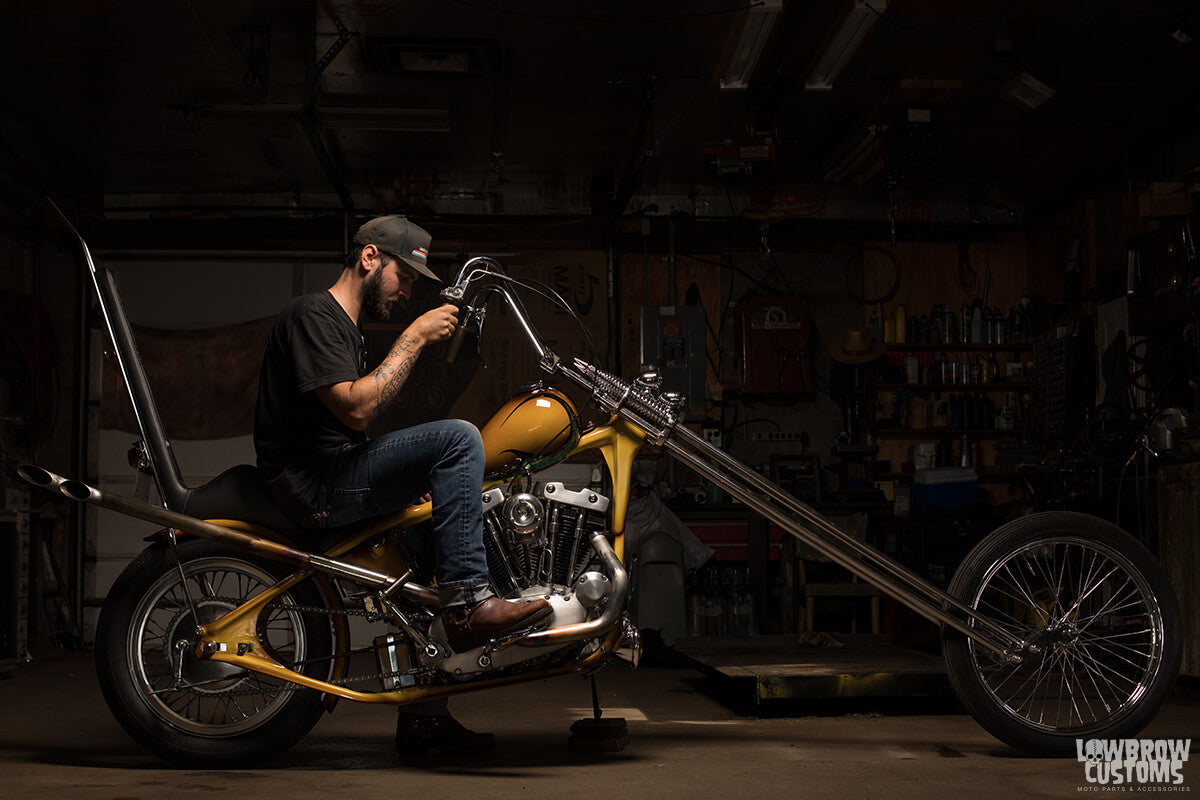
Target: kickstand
596,734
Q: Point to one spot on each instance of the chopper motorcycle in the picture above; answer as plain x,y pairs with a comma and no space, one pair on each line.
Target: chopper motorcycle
225,640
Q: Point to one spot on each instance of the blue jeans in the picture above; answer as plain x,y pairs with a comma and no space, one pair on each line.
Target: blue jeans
383,475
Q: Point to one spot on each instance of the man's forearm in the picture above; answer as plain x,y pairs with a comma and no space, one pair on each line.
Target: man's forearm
390,376
358,403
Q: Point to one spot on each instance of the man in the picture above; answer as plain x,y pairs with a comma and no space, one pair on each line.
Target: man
316,399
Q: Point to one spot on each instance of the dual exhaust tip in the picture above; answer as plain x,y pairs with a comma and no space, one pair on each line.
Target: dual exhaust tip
45,479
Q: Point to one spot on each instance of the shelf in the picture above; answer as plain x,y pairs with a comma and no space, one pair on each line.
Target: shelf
994,386
956,348
986,475
908,433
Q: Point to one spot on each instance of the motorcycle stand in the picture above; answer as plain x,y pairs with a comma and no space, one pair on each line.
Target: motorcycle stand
596,735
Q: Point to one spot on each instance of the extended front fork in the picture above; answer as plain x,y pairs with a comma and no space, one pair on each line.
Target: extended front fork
860,558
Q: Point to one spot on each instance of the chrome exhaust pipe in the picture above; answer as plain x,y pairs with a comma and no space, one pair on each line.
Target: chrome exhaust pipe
612,612
41,478
85,493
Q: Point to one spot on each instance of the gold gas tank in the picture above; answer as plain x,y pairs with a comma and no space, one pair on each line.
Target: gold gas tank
532,430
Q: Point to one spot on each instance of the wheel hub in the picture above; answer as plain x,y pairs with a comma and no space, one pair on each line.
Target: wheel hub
207,676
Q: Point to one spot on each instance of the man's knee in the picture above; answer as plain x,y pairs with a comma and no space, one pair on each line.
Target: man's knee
466,437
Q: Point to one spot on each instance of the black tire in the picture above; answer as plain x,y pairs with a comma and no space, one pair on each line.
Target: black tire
221,716
1103,615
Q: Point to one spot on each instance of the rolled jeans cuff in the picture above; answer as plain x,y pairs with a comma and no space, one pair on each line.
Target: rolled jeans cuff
463,593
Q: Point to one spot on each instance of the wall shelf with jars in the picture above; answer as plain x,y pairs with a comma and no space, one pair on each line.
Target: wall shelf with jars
993,386
976,395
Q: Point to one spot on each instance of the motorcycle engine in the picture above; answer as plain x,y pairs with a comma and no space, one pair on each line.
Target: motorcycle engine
538,545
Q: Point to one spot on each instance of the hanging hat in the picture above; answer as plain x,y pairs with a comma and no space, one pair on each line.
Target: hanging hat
856,347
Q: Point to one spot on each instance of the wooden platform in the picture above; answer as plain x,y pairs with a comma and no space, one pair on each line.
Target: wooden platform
765,669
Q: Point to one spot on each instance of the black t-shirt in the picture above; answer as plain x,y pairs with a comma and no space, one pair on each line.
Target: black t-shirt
313,344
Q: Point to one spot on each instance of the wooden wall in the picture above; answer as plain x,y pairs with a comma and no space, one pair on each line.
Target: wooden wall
949,273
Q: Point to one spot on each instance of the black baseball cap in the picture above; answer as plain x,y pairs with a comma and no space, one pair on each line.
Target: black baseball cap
399,237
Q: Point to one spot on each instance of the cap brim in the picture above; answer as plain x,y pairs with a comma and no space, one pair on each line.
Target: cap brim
421,268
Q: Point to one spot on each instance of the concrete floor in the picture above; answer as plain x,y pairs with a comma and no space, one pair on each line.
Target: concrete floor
58,740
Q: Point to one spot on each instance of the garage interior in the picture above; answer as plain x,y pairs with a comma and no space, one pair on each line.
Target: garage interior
1001,195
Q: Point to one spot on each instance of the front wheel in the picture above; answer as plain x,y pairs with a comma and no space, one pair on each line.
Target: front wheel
1102,615
194,711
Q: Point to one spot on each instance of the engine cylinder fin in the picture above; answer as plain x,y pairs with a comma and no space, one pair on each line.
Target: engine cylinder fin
555,556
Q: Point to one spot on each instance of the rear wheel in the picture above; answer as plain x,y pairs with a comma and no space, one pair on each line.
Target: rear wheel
1104,619
194,711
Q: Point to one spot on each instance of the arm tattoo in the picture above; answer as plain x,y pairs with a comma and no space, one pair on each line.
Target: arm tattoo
391,375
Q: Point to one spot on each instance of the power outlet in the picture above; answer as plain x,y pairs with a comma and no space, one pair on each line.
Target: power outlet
712,435
777,436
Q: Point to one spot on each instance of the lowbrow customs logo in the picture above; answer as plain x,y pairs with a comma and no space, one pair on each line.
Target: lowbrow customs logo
1133,765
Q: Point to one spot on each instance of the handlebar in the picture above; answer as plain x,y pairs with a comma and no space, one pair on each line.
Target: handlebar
639,401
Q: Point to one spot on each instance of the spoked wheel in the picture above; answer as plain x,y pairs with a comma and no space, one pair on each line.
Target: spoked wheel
192,710
1101,614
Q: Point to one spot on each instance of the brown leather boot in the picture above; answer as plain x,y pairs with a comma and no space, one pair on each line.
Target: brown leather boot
468,627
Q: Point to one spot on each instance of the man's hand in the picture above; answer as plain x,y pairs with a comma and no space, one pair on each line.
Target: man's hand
435,325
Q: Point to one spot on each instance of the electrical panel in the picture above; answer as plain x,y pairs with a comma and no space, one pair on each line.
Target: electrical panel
674,340
776,347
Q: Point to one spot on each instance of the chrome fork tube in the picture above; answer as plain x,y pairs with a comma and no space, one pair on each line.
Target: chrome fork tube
860,558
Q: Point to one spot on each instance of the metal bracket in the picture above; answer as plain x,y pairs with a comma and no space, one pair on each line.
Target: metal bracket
344,37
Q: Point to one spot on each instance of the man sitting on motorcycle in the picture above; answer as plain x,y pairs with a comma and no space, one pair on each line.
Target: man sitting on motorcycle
316,399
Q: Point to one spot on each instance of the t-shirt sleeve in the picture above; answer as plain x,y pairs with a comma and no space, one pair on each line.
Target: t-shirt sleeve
321,352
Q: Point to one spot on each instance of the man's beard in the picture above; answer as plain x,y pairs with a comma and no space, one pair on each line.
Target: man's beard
377,304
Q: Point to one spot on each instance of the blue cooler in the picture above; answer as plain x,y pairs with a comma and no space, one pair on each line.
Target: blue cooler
949,487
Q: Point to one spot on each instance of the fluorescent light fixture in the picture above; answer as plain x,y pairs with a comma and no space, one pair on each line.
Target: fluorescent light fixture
757,23
1027,92
858,20
402,120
